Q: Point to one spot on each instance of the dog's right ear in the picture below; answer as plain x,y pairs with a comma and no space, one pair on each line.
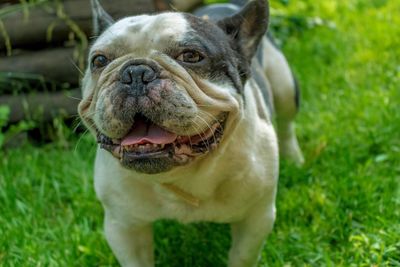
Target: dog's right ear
101,19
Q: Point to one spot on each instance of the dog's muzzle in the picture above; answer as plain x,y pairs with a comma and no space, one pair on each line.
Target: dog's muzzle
143,98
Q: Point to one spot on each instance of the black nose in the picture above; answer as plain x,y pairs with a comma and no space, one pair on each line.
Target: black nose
138,76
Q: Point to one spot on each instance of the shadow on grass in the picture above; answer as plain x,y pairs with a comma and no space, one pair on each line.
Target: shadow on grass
200,244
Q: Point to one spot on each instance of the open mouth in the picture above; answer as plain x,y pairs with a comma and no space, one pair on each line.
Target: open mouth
149,141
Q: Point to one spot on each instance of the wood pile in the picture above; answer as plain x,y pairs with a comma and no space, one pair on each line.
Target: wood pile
48,40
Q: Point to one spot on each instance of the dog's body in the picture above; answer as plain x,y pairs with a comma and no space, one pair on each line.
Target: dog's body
185,131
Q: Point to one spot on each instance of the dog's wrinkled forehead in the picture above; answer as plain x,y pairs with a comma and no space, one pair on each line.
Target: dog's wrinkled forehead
146,31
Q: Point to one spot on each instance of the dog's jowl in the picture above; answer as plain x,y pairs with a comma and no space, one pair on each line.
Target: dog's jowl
181,107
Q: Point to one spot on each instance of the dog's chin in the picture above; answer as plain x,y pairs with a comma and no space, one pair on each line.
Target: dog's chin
148,165
150,155
155,160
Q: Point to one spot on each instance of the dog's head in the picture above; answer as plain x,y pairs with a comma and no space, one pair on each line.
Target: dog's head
159,89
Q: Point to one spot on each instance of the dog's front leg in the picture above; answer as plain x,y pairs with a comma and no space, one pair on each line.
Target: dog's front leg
248,236
132,245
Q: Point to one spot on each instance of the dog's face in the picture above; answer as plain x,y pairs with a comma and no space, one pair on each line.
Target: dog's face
159,89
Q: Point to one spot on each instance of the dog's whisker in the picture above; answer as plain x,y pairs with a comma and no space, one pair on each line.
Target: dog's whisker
211,129
193,126
82,135
80,139
75,98
81,123
77,125
213,118
203,131
76,67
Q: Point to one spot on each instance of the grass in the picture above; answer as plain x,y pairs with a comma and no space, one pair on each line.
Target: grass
341,209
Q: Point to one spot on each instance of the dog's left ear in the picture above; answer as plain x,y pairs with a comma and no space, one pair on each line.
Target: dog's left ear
247,27
101,19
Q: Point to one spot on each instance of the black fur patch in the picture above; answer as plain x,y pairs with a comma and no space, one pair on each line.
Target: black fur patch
222,62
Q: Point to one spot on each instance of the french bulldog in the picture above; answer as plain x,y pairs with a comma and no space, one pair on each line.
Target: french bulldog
181,106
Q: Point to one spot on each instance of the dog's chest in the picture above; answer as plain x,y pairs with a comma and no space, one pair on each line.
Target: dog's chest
134,200
221,207
152,202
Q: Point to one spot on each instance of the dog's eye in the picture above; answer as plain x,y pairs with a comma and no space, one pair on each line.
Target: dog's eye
190,57
99,61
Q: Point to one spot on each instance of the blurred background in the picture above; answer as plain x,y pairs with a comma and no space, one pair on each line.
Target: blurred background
342,208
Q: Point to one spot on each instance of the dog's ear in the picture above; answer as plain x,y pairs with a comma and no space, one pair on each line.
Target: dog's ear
101,19
247,27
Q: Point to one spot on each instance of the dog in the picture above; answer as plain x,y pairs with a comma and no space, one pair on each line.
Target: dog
181,106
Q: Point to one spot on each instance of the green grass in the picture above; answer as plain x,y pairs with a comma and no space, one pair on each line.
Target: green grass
341,209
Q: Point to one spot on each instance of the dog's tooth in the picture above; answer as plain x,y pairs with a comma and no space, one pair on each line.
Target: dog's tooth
116,152
115,141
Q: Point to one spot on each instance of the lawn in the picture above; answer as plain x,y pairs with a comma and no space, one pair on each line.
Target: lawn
342,208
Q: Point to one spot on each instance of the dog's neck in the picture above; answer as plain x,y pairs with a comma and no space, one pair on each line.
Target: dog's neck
182,194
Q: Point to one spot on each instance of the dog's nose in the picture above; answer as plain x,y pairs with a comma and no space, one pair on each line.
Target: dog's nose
138,76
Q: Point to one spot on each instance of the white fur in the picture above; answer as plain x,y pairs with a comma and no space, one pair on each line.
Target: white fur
236,183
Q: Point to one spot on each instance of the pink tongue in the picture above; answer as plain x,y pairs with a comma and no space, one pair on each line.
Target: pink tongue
143,132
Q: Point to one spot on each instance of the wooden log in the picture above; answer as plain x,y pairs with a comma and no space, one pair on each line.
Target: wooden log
57,64
32,29
5,3
43,106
